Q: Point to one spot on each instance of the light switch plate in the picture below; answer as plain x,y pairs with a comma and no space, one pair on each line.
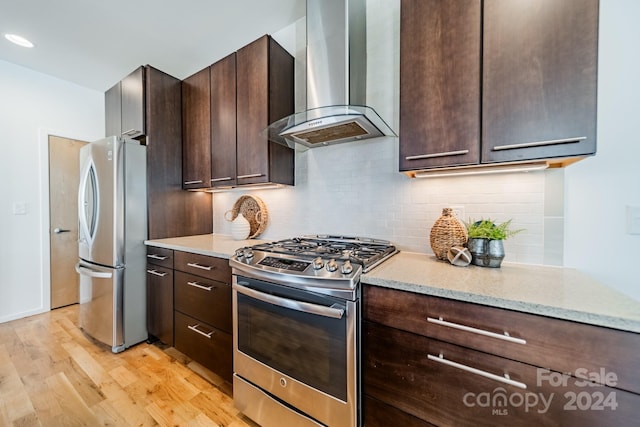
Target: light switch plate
19,208
633,219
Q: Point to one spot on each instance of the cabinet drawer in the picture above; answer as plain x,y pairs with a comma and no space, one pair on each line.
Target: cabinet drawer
446,384
563,346
379,414
204,299
160,256
204,266
160,303
205,344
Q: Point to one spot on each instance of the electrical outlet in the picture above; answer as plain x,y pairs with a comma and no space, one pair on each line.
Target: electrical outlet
458,212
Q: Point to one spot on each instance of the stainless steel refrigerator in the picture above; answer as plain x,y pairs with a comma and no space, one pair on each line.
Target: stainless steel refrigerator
112,208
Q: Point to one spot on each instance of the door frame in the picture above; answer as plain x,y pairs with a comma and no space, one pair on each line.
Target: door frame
45,238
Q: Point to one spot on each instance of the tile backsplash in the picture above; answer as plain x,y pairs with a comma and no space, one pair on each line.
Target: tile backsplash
356,189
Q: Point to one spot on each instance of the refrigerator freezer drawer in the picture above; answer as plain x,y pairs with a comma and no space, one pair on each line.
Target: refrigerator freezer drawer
101,297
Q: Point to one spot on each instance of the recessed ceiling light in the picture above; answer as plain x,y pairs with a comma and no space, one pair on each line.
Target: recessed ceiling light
20,41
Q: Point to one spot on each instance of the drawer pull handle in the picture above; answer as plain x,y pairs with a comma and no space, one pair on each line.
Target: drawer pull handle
539,143
504,379
158,257
444,154
251,175
193,182
504,337
226,178
156,273
200,266
199,286
194,328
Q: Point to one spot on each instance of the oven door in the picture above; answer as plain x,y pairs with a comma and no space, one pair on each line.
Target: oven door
299,347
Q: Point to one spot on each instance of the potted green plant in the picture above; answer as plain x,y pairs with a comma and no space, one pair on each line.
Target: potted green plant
485,241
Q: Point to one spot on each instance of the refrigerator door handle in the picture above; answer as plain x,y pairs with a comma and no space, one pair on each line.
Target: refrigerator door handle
93,273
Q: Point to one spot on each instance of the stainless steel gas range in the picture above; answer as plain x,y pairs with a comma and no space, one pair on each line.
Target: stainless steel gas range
296,320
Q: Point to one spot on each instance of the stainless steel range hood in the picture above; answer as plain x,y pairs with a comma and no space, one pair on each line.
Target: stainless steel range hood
336,80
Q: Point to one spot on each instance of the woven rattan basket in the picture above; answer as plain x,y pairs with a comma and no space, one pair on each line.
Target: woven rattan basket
447,232
254,210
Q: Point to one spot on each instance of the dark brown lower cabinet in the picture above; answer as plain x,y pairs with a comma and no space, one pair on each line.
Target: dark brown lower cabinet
160,303
205,344
202,287
454,363
160,294
449,385
380,414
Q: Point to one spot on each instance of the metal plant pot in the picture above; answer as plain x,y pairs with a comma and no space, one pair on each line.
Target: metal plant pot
485,252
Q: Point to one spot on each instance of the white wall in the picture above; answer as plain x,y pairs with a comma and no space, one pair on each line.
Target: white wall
355,188
33,105
599,189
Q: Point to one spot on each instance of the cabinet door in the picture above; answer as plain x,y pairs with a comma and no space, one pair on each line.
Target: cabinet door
223,122
172,211
253,112
196,130
439,83
539,79
133,104
160,303
113,111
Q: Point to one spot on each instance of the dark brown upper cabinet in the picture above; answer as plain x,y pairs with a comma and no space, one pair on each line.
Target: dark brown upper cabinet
539,79
497,81
172,212
196,130
223,122
125,106
113,111
264,73
440,48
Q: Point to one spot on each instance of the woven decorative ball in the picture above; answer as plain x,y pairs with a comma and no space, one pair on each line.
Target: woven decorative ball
459,256
254,210
447,232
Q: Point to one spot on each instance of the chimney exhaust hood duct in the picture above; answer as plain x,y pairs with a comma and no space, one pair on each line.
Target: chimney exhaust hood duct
336,80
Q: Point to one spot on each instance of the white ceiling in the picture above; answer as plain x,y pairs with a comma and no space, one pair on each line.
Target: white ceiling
94,43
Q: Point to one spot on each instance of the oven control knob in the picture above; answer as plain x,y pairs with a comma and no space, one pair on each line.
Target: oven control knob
318,263
239,253
346,267
248,253
332,265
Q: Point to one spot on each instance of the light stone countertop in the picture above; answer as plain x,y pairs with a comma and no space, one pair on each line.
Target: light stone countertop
216,245
558,292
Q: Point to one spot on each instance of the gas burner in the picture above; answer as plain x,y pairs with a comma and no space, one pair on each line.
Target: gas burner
363,251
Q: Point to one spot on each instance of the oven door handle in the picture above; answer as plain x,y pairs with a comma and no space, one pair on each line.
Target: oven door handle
305,307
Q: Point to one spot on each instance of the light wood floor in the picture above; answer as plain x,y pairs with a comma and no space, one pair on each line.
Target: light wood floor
51,374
